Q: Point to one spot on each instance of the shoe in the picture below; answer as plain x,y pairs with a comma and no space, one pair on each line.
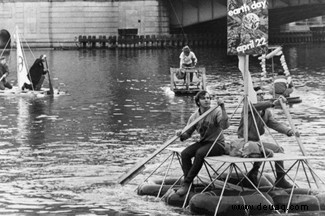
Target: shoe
183,190
282,183
252,176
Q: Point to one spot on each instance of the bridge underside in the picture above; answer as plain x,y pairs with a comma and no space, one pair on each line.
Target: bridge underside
277,17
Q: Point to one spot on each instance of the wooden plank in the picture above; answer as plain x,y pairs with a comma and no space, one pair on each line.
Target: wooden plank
140,166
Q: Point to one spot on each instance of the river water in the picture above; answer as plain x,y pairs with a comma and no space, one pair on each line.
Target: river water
64,155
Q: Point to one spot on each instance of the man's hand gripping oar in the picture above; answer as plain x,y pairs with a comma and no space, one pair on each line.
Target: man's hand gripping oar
125,178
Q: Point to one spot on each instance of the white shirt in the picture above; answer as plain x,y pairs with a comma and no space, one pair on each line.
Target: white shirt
187,59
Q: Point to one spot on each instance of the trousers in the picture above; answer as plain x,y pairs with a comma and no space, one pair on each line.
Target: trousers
198,150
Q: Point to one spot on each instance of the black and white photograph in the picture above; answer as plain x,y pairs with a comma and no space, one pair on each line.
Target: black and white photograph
162,107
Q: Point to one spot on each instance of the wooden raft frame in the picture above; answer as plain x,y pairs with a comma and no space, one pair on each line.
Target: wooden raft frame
179,86
232,165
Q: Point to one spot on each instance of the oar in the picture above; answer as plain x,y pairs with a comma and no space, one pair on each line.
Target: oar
48,74
302,148
3,76
140,166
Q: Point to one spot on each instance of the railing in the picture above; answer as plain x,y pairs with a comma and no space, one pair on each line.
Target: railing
178,40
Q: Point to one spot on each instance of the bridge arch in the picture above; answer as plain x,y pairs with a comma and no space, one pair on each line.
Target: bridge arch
5,39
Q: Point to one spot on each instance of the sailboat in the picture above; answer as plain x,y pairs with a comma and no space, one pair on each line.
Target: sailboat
22,75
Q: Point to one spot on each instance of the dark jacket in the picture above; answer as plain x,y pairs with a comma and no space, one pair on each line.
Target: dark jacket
268,118
36,71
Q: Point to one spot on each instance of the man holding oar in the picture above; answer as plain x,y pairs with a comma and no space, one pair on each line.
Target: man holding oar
37,74
210,130
258,118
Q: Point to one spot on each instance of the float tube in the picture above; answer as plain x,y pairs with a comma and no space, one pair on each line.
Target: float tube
205,204
293,100
153,189
173,199
300,202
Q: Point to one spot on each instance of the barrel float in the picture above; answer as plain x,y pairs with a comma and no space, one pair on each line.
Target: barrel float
293,100
173,199
239,178
300,202
306,191
153,189
168,181
286,192
321,199
230,205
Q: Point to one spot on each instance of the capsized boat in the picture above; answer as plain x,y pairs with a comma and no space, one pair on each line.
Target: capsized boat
22,76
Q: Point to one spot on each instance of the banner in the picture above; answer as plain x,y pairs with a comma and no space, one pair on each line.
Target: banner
247,27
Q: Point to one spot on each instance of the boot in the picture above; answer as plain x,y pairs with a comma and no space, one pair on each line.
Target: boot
281,182
252,175
183,190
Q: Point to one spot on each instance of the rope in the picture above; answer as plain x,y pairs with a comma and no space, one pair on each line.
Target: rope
244,203
171,4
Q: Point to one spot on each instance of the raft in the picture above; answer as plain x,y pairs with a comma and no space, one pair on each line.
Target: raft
180,82
234,201
230,205
302,200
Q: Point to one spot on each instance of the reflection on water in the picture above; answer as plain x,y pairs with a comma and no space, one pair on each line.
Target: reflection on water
64,154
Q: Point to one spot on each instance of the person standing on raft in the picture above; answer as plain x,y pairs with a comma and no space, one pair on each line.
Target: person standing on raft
265,113
36,74
210,129
187,59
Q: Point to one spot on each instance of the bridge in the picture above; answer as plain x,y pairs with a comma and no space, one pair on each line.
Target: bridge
210,15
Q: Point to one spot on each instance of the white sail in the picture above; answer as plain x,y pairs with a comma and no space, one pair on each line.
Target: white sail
21,64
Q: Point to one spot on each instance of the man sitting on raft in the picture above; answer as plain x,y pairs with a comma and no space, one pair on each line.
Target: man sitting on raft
267,116
210,128
283,85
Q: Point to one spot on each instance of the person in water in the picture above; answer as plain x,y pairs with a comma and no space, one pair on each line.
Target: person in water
37,74
187,60
283,85
262,110
210,128
4,72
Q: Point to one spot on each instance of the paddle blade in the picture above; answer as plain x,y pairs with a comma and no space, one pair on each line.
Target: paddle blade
48,75
131,174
